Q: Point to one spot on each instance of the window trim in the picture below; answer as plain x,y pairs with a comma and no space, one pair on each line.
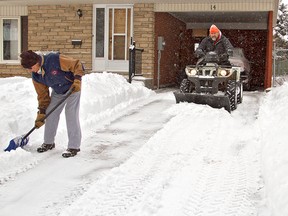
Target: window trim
1,39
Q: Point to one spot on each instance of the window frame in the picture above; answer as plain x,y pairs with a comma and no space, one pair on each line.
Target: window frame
127,32
18,18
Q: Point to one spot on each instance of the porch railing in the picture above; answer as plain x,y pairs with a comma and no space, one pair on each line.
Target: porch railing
135,61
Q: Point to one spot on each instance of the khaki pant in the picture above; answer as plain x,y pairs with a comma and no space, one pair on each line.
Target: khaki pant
72,119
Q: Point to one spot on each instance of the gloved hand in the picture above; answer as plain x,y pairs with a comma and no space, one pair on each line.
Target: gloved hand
230,52
76,85
199,53
223,57
38,122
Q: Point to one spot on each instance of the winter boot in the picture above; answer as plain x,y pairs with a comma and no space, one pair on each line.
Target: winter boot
45,147
70,152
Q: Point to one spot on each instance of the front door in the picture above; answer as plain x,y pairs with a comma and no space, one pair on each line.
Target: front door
112,31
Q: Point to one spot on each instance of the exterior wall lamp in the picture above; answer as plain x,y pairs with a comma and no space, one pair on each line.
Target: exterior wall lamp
79,13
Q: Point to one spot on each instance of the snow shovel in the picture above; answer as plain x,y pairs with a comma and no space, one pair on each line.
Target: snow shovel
21,141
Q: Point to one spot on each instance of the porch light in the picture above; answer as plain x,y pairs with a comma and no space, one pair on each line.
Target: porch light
79,13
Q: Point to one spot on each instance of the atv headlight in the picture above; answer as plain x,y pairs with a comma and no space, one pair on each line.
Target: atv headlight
223,72
190,71
193,72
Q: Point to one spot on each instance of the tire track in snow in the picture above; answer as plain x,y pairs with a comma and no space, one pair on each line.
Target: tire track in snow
222,189
223,181
231,182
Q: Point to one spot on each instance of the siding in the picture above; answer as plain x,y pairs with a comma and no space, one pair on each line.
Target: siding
13,10
210,6
224,6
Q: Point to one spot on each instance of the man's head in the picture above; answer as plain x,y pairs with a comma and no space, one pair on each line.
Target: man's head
30,60
214,32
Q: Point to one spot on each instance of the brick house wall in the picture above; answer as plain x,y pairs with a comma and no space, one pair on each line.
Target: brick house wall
8,70
144,30
53,27
171,29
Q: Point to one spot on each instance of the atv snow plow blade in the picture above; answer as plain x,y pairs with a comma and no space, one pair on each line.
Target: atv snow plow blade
215,101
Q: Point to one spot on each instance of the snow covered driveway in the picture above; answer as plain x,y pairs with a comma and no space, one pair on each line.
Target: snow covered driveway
201,163
157,158
49,183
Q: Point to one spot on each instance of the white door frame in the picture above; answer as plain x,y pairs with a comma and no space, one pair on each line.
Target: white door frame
103,63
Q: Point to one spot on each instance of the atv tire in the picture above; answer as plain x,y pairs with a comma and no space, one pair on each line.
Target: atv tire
246,86
185,86
231,92
240,93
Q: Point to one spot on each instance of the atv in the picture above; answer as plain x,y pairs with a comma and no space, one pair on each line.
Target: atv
211,81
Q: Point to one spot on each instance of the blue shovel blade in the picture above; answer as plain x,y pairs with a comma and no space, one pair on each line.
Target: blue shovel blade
17,142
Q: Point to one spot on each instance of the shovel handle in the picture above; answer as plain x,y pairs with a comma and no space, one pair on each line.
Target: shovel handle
70,91
24,137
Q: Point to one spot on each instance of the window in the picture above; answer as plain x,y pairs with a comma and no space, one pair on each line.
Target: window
100,28
10,42
119,33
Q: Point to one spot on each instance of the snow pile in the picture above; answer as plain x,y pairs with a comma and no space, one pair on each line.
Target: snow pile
273,120
101,94
103,98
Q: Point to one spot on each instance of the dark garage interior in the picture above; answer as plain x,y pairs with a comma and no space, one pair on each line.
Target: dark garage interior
182,30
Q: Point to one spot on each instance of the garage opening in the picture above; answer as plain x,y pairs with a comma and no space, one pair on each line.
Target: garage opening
182,32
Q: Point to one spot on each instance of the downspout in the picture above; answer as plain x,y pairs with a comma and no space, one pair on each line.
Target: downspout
268,68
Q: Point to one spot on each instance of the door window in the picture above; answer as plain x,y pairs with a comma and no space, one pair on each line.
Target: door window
100,32
119,33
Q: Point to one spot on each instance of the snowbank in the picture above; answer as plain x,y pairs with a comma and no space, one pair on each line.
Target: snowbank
273,120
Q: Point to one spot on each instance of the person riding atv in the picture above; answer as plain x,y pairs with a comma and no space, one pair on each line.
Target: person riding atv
215,42
213,80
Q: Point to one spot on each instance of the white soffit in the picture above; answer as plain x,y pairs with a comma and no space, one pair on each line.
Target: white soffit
220,6
13,10
208,7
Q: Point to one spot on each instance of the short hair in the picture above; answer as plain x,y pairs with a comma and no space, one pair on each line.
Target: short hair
29,58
